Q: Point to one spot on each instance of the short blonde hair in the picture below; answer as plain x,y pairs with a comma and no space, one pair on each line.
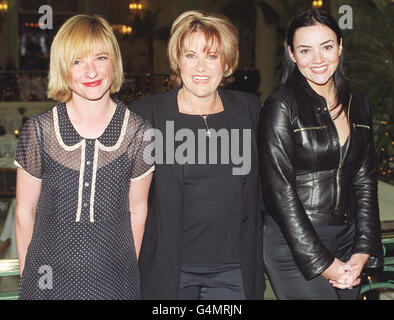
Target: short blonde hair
216,29
76,38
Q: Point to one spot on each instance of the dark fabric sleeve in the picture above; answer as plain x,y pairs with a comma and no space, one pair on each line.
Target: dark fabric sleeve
368,230
256,110
140,150
276,151
143,107
28,155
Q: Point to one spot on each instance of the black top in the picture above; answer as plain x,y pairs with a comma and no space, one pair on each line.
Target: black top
212,196
161,257
343,148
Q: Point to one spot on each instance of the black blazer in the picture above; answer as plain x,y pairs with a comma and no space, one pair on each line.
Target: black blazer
160,255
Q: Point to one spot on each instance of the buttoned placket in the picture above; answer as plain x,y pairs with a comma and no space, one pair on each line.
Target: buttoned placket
87,180
88,167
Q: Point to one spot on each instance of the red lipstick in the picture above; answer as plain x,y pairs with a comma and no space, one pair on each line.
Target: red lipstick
93,83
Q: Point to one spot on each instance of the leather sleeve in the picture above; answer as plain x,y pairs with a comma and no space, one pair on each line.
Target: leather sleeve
368,231
276,151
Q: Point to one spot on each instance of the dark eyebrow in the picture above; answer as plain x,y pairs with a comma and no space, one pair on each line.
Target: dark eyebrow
325,42
305,46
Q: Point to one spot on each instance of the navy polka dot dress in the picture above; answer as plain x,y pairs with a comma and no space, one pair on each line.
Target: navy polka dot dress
82,245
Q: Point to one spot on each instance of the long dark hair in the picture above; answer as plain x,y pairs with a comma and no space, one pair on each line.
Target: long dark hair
289,68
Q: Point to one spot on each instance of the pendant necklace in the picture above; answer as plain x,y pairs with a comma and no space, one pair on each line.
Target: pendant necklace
205,116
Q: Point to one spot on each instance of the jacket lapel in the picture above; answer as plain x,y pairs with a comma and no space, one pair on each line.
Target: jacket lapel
170,124
233,113
169,114
236,116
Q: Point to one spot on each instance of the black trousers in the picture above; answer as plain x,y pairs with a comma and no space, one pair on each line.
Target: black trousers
287,280
211,282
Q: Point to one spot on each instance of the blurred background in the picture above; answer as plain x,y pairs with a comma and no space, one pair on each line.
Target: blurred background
142,28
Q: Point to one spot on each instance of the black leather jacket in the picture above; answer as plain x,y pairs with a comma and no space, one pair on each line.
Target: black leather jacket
307,182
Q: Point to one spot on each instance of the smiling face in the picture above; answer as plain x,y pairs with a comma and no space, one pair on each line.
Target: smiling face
200,66
316,53
92,75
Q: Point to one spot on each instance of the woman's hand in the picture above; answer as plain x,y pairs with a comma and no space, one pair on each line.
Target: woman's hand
356,262
340,274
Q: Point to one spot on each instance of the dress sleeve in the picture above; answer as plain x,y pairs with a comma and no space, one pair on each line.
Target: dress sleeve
140,151
28,152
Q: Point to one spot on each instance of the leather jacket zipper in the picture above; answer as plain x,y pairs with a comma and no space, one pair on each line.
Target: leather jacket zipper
355,125
310,128
342,158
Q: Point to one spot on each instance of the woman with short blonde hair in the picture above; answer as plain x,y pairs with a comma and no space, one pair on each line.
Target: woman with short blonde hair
215,28
82,183
203,233
76,38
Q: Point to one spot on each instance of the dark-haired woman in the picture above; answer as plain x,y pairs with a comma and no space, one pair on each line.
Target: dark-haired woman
318,162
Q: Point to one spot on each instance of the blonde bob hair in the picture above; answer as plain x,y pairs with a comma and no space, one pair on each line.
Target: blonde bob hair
217,29
77,37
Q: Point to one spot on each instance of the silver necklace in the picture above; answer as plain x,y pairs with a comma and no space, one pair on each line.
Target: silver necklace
205,116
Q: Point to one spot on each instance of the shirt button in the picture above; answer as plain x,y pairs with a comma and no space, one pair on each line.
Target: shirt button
86,184
85,204
88,162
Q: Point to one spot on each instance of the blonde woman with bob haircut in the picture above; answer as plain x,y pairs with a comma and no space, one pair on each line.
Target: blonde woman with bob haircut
205,242
82,183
